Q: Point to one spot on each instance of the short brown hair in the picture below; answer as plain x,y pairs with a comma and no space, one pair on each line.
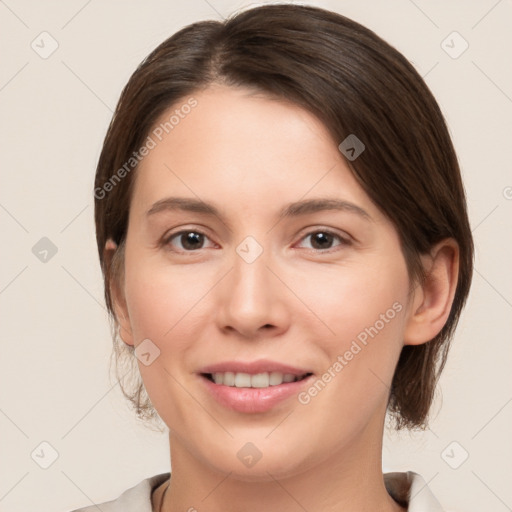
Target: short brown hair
355,83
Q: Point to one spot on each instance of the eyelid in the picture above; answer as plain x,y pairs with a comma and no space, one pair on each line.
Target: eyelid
326,229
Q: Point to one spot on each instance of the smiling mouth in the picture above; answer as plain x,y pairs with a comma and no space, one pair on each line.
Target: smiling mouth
258,380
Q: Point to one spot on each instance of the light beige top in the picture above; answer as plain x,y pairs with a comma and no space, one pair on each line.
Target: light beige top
409,487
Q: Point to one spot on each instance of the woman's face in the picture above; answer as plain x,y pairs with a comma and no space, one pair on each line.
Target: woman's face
273,277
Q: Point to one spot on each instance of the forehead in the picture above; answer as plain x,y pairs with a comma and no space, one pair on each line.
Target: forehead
234,142
240,120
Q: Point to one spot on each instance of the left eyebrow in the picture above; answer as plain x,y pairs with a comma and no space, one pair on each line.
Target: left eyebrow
294,209
316,205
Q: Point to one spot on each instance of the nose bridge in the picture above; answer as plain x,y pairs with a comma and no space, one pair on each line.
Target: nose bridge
250,250
251,297
250,273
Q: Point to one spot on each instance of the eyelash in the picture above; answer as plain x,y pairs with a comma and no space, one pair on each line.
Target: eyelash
343,241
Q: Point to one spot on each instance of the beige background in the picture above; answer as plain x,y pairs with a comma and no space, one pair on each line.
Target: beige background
55,343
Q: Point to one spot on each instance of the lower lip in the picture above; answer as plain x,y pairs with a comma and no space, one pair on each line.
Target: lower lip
253,400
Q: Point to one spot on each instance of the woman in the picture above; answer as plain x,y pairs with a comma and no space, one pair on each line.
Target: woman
283,233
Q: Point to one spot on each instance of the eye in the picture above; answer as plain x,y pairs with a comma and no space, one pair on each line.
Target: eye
188,240
192,240
322,239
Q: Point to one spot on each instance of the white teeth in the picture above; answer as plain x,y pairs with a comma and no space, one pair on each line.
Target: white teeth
229,379
259,380
242,380
275,378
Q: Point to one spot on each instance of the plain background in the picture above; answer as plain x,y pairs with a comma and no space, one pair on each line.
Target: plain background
55,340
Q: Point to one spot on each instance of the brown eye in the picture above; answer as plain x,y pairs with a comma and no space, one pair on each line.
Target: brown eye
188,240
322,240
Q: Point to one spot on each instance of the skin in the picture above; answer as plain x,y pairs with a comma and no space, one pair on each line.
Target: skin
250,156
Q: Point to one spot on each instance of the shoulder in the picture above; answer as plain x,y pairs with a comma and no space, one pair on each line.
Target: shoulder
134,499
411,489
407,487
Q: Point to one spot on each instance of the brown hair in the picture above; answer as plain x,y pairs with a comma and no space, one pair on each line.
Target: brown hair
355,83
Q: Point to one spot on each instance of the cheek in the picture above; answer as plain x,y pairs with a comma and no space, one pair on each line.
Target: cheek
354,303
163,305
365,308
160,298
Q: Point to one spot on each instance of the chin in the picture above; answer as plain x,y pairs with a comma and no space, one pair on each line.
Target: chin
266,466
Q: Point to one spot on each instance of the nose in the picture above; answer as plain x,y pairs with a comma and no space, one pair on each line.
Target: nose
252,300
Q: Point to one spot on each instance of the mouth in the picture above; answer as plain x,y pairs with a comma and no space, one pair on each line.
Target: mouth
258,380
253,387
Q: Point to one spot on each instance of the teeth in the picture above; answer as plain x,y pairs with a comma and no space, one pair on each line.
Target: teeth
276,378
259,380
242,380
229,378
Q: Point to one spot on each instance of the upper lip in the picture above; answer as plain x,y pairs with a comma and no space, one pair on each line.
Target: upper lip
253,367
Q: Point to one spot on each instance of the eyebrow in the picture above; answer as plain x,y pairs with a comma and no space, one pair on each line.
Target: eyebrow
294,209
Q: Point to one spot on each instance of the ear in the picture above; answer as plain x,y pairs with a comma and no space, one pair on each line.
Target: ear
117,293
433,298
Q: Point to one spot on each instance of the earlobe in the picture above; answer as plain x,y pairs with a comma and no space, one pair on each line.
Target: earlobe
116,261
433,298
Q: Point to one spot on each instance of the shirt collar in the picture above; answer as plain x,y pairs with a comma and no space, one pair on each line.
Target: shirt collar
410,489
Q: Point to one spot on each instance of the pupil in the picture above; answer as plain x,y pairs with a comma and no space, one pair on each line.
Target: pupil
322,239
189,239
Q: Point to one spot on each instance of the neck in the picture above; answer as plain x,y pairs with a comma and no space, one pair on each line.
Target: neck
350,479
